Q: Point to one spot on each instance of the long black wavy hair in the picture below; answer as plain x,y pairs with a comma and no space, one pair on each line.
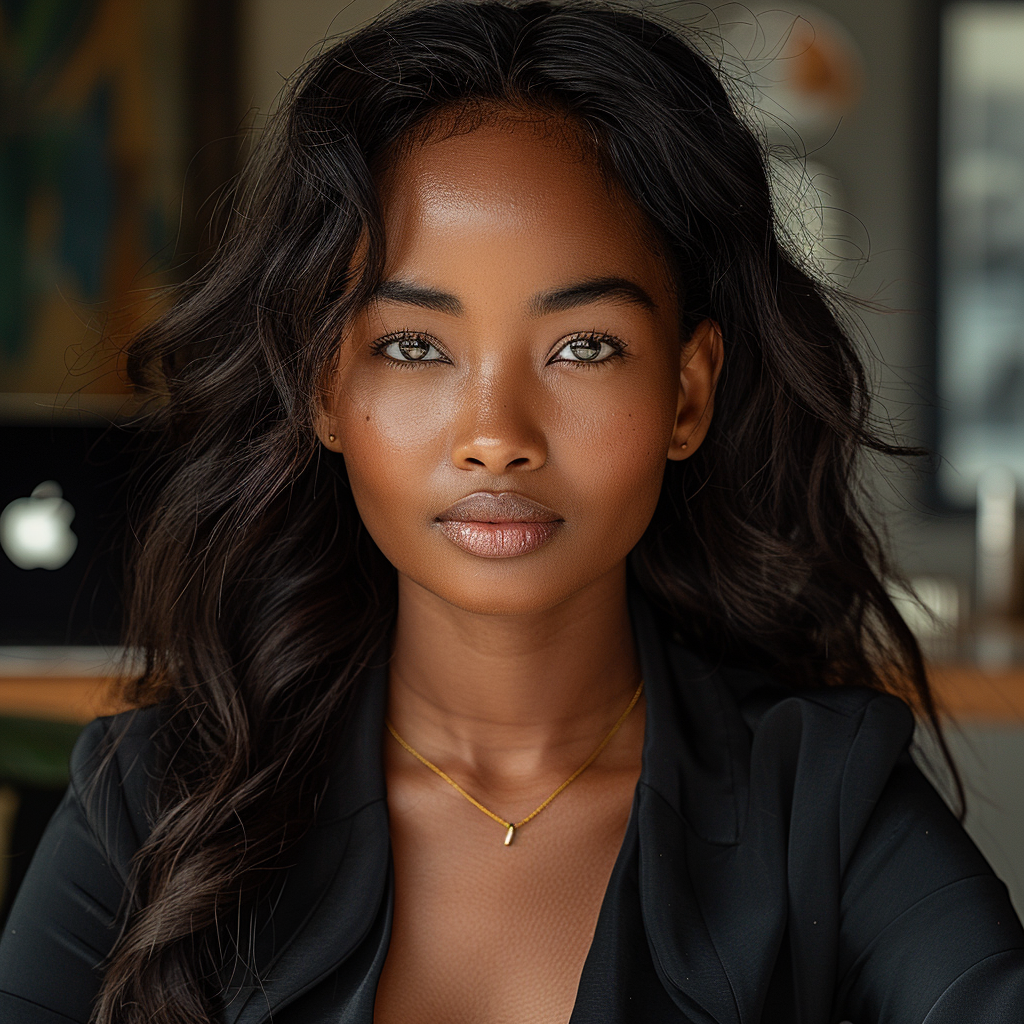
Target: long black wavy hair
256,594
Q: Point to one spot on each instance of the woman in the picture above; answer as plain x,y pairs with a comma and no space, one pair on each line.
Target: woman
517,646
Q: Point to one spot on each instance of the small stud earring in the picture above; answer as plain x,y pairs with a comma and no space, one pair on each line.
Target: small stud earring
331,437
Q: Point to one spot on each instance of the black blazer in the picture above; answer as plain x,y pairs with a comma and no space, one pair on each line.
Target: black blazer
790,863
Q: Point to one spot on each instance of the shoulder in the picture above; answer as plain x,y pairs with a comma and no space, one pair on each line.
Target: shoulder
763,713
812,755
125,743
115,767
742,755
830,723
838,750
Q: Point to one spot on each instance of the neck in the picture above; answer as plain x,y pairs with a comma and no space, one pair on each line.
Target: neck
512,692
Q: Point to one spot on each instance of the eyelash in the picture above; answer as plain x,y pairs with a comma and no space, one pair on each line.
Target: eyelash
381,344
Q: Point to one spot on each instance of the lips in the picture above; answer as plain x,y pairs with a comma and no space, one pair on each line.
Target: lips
498,525
506,507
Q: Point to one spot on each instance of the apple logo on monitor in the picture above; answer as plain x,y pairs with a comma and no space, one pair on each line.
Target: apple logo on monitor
35,532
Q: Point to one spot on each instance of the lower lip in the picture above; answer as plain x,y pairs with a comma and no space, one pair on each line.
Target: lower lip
498,540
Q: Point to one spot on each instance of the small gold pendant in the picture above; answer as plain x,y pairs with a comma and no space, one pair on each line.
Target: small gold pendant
509,834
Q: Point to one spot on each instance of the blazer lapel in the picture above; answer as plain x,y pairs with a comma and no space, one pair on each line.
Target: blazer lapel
332,894
685,955
694,745
708,911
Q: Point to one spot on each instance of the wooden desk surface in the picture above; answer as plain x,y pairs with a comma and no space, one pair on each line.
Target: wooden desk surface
967,692
67,699
972,694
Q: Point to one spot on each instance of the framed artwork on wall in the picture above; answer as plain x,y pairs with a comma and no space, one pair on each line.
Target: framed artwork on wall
111,116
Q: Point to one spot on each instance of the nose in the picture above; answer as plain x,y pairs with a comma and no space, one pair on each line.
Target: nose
499,427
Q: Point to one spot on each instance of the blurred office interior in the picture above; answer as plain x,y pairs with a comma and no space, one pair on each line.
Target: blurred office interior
897,134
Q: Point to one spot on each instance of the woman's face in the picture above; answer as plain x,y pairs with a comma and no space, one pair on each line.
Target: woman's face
507,402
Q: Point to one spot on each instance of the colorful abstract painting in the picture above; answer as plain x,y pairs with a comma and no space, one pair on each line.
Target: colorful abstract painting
92,159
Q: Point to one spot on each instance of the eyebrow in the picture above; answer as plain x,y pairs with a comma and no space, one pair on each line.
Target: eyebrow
410,294
582,293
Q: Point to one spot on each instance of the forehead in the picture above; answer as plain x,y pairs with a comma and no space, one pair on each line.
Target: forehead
527,184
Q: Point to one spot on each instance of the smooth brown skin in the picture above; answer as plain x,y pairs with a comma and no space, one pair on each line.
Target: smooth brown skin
507,672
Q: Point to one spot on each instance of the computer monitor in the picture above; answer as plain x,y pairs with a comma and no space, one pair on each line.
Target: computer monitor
63,518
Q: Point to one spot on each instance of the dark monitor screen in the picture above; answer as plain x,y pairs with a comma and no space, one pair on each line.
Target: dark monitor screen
63,516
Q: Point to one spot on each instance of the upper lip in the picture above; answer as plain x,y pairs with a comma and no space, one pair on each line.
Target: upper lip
504,507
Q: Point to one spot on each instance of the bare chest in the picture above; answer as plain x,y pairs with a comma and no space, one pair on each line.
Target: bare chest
489,934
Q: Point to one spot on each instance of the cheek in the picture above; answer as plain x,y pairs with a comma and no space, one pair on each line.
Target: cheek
391,445
392,417
620,465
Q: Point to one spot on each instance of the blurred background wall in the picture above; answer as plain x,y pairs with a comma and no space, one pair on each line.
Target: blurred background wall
868,138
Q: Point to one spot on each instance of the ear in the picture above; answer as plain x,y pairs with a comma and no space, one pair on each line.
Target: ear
327,423
327,431
700,363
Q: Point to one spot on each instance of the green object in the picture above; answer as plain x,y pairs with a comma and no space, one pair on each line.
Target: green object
36,752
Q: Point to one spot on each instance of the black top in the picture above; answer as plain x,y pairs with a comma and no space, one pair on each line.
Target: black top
785,862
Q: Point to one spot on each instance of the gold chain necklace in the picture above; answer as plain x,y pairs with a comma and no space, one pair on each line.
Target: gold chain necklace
510,826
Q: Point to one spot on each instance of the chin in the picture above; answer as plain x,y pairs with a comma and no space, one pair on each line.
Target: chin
520,597
510,588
